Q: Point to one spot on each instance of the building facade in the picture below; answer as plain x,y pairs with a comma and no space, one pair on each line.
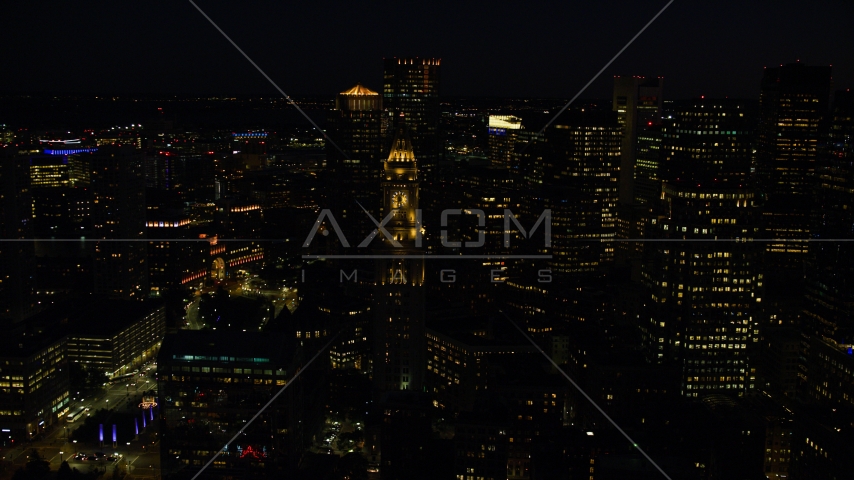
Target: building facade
411,98
118,214
400,298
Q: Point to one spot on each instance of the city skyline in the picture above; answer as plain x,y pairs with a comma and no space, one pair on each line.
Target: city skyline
414,273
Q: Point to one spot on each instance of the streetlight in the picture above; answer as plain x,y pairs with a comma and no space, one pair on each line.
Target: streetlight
61,459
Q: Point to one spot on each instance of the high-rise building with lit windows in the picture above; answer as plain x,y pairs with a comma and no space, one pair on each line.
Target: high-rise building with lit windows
411,97
578,180
399,330
355,127
701,271
709,140
49,171
703,294
828,314
648,172
118,215
637,101
502,131
794,101
16,257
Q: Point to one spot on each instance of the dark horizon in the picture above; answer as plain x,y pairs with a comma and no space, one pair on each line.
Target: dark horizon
502,50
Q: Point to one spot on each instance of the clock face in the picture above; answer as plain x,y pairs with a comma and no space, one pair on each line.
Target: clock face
398,200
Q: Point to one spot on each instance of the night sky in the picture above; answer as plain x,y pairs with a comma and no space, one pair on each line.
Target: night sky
492,48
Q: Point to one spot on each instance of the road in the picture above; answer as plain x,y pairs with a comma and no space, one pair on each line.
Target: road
140,454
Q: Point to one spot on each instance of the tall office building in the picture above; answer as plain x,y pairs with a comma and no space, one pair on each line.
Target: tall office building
16,257
502,132
703,295
707,140
793,104
637,101
118,214
648,166
702,303
180,176
355,125
829,279
399,330
579,175
411,98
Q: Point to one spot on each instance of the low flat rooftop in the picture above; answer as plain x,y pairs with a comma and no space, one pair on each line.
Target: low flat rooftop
227,347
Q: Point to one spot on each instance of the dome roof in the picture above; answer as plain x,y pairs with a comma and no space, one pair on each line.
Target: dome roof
359,90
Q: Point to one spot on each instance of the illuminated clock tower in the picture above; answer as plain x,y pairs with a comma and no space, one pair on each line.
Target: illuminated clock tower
399,329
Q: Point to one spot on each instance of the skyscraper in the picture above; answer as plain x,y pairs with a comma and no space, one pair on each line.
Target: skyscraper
399,330
829,273
703,294
707,140
355,125
502,131
579,172
411,97
16,256
118,214
793,103
637,101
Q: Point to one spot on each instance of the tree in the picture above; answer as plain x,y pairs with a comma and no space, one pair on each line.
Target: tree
37,467
353,466
65,472
118,473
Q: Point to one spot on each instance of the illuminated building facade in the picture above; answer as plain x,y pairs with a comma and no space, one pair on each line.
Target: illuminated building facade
411,98
210,384
637,101
459,352
49,171
702,303
829,300
355,125
502,130
648,171
34,384
400,298
114,336
172,264
794,101
118,214
579,171
709,140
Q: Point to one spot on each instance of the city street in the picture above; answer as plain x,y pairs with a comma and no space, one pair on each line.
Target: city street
141,455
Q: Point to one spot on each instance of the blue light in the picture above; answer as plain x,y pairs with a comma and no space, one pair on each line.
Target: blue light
68,151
